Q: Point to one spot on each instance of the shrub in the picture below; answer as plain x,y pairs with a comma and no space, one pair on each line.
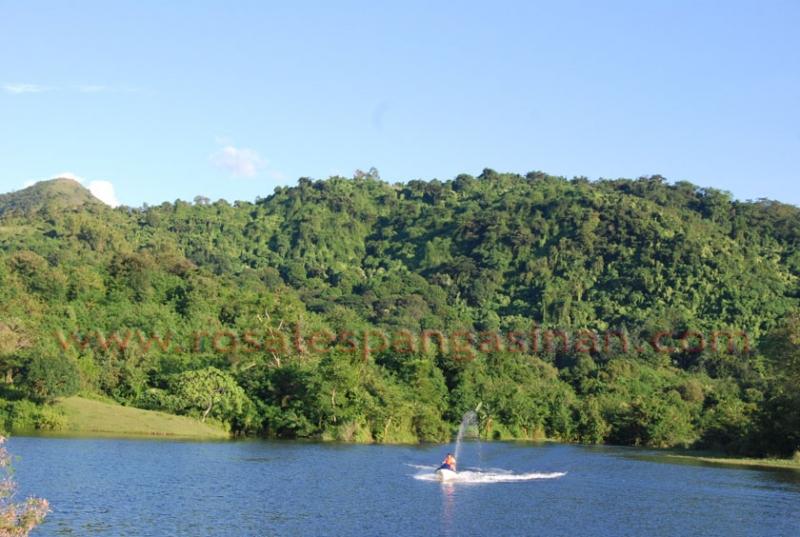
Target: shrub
16,519
28,416
48,377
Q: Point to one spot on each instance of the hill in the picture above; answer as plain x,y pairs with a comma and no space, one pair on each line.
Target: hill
54,194
240,289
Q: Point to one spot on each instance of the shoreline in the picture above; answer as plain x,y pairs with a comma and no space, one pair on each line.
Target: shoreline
725,460
665,454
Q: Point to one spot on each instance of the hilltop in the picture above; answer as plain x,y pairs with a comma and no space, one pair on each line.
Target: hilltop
54,194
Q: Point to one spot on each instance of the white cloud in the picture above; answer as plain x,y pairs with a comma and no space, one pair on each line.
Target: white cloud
241,162
18,88
104,191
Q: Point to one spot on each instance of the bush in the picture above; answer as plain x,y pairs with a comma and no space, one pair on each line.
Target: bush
157,399
16,519
47,377
26,416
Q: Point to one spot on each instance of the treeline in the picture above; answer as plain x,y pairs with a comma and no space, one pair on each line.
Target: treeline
497,253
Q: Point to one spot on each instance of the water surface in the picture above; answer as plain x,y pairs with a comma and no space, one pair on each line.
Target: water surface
158,488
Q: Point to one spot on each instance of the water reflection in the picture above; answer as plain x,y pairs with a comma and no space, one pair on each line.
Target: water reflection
448,506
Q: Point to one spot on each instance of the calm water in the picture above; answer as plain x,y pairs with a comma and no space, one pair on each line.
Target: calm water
161,488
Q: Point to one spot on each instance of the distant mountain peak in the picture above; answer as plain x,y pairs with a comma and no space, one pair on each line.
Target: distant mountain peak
59,193
60,179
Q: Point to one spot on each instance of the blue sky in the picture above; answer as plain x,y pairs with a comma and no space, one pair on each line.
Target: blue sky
230,99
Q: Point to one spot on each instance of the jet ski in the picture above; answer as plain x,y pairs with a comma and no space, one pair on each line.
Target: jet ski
446,472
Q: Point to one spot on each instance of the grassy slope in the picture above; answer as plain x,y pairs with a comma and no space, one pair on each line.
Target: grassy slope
793,464
87,416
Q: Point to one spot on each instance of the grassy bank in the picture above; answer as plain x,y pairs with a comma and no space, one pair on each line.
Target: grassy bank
92,417
715,458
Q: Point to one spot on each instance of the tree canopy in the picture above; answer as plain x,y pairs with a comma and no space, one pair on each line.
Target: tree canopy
153,306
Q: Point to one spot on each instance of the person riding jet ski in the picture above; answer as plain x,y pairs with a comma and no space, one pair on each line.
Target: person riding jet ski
449,463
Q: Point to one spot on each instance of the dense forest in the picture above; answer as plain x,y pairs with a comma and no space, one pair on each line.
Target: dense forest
210,309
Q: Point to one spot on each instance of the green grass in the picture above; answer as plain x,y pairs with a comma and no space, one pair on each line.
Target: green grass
793,463
101,418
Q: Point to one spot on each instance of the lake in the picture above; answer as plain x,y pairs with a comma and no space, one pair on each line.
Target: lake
159,488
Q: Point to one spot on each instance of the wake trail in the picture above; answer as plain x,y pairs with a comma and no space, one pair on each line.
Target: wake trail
496,476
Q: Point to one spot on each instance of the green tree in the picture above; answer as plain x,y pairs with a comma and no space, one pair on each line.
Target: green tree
47,377
212,392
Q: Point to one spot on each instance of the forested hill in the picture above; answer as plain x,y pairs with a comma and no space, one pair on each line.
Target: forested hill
57,193
493,253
